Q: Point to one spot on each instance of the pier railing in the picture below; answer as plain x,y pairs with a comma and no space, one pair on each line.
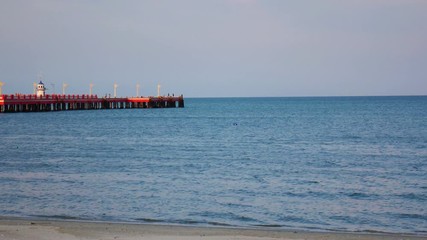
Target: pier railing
46,97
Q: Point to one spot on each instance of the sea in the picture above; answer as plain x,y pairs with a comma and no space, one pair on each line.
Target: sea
353,164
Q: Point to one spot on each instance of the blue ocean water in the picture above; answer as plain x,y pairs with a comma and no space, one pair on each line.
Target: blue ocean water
327,163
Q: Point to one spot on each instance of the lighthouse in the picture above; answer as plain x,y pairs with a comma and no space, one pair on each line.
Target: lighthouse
40,89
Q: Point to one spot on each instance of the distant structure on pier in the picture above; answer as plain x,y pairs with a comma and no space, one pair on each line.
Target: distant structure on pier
41,90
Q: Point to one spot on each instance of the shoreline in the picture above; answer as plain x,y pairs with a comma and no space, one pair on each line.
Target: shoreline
20,228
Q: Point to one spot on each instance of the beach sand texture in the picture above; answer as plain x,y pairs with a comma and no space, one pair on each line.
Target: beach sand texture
18,229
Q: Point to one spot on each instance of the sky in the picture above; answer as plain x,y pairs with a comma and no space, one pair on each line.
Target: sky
216,48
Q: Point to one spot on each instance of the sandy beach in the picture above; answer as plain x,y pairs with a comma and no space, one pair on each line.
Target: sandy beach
20,229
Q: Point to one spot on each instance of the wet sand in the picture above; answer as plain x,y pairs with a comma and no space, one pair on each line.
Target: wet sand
20,229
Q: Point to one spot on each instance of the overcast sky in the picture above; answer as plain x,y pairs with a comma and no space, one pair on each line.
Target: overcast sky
216,48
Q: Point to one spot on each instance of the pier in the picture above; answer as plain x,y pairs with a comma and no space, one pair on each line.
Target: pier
62,102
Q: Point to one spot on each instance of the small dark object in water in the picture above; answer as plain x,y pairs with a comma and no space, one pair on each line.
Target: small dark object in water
235,124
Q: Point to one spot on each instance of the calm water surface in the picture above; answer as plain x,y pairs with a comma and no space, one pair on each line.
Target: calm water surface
341,164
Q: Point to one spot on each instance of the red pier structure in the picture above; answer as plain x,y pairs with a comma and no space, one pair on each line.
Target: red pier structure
58,102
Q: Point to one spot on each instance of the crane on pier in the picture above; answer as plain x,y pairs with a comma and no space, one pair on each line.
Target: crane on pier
90,88
64,86
158,90
115,89
1,86
137,89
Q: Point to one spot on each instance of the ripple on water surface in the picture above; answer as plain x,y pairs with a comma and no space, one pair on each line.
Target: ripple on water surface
353,164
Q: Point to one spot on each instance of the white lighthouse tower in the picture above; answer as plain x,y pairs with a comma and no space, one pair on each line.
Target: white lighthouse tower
41,89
